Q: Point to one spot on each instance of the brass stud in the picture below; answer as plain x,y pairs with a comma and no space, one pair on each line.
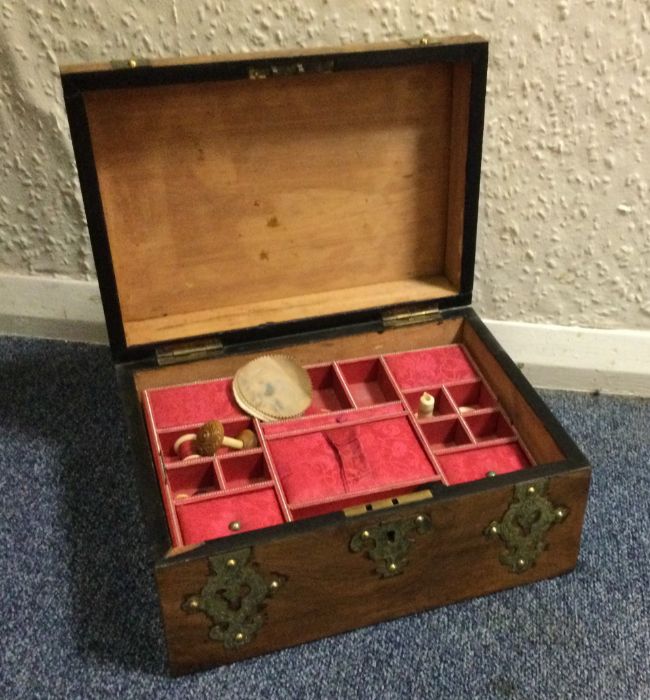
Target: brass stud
560,513
419,520
531,490
392,566
521,563
365,535
193,603
494,529
235,525
239,637
274,585
231,563
490,474
424,40
132,63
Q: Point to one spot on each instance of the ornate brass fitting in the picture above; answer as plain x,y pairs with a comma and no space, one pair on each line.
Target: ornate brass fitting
233,598
388,544
524,525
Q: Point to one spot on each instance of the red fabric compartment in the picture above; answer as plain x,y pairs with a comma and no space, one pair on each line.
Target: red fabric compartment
244,470
444,433
207,519
430,367
442,407
328,393
366,457
368,382
197,477
474,463
489,426
193,403
472,395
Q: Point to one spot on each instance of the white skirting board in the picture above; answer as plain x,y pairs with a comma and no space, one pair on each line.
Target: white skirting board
612,361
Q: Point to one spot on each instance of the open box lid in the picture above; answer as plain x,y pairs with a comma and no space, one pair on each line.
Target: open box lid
226,194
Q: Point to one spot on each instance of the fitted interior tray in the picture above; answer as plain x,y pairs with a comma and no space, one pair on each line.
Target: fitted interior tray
361,440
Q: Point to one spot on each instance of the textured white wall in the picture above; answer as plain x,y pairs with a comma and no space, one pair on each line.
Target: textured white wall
564,231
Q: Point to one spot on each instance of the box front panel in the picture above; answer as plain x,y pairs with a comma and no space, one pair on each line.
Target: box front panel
248,600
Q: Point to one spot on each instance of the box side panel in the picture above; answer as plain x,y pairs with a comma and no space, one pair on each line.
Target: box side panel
325,588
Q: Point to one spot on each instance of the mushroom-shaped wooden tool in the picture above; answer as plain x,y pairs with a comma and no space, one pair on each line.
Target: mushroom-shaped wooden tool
249,439
211,436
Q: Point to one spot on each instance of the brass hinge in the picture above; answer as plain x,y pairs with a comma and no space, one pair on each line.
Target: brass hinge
119,64
188,352
410,318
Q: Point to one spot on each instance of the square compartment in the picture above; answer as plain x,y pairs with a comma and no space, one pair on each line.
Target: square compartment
489,426
368,382
207,519
328,391
443,406
471,396
244,470
194,479
445,433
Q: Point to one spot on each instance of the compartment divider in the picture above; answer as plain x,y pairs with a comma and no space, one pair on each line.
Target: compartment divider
346,389
335,426
219,473
424,444
279,491
216,495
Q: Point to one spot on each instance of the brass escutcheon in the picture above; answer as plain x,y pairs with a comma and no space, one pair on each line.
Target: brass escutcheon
233,598
524,525
387,544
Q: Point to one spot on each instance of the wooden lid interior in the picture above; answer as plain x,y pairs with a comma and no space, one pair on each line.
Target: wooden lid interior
230,204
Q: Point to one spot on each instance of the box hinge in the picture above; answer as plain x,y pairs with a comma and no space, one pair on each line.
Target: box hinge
396,319
188,352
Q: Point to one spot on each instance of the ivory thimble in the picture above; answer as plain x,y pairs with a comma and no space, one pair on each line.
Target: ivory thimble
427,404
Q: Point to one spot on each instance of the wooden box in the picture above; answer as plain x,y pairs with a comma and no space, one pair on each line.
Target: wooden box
321,204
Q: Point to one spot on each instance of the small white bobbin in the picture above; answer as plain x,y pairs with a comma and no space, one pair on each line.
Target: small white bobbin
188,452
427,404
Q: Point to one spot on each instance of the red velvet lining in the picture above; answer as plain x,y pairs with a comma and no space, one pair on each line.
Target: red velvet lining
193,403
317,464
208,519
362,457
473,464
434,366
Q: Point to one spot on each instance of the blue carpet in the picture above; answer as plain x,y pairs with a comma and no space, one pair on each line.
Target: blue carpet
80,617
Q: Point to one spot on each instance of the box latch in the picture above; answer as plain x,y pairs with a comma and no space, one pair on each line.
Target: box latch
188,352
396,319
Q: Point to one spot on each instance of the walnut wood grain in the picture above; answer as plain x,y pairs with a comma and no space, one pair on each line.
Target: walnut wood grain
234,203
330,589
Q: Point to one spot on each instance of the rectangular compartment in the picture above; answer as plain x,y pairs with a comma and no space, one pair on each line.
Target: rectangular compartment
244,470
216,517
489,426
368,382
443,406
420,368
471,396
193,403
346,460
232,428
328,391
444,433
475,463
193,479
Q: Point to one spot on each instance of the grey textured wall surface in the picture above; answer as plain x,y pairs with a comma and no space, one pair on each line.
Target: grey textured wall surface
564,231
